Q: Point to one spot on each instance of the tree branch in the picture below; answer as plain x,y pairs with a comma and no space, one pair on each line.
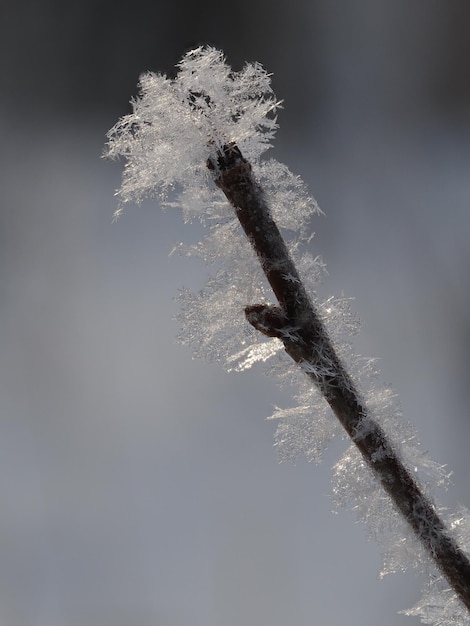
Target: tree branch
297,323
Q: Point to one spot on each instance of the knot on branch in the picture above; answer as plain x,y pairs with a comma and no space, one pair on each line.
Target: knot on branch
268,319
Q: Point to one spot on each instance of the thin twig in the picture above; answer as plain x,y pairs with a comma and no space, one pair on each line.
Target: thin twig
296,322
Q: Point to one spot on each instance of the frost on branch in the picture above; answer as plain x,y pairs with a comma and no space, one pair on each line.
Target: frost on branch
439,604
176,128
177,124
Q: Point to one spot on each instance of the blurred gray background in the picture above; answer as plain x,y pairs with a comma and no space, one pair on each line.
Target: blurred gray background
139,486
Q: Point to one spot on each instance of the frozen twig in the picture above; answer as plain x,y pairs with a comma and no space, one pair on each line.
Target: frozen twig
296,322
211,125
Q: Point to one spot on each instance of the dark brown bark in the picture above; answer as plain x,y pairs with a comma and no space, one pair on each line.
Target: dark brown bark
296,322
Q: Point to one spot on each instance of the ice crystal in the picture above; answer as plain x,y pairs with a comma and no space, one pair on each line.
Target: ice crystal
306,429
175,127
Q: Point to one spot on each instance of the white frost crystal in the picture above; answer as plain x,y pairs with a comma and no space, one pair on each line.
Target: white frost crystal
175,127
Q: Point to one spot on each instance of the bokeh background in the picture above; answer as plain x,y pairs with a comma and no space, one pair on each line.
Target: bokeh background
139,486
